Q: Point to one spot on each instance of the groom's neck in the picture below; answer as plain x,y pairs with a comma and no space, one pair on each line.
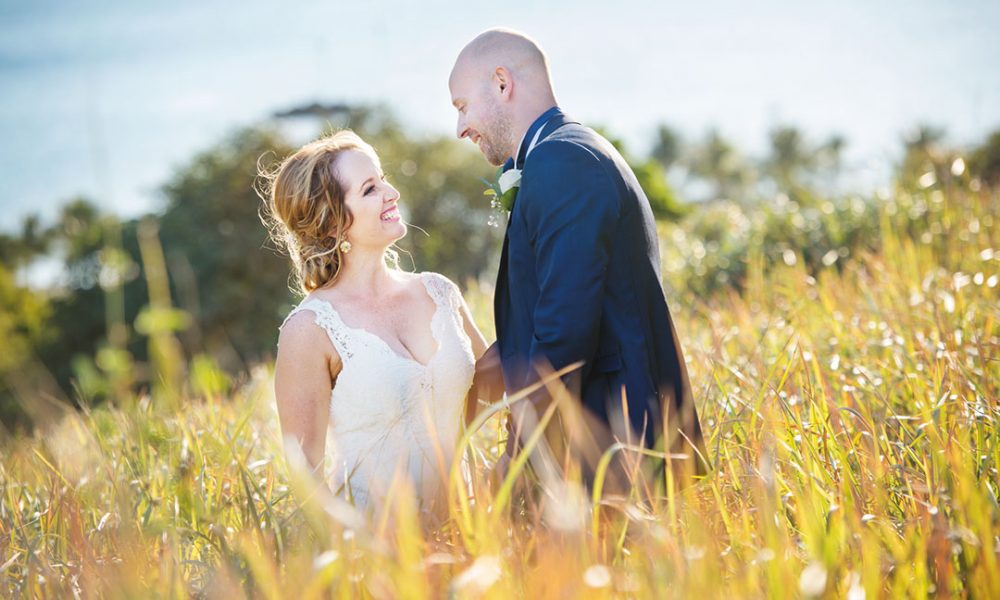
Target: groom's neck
527,115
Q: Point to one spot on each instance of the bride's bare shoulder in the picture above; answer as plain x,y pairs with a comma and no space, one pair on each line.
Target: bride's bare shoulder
300,328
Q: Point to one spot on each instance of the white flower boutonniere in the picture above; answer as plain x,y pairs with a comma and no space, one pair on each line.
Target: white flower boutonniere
502,192
509,180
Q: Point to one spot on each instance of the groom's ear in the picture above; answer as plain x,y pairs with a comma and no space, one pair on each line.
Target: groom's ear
503,80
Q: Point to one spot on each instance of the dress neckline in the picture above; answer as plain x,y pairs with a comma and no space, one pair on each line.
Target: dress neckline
424,279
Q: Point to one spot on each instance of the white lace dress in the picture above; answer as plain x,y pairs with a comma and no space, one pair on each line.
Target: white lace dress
393,417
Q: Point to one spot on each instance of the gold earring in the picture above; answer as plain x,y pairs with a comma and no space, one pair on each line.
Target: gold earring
345,246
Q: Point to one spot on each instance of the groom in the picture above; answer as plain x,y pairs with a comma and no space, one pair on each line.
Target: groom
579,277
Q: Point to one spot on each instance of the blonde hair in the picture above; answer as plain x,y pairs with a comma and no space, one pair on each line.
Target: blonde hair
304,208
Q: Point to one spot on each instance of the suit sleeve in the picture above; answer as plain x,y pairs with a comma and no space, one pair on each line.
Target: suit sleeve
571,209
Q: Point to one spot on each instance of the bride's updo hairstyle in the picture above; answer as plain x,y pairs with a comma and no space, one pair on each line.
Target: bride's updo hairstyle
305,211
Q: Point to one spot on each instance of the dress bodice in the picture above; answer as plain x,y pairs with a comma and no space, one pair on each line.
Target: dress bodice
391,416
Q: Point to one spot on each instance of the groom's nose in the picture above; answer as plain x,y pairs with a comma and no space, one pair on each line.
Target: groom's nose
461,130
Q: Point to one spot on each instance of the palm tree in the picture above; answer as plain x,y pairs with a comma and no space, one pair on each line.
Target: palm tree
667,148
717,162
791,157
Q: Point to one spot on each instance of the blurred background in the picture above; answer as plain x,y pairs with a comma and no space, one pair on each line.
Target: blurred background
132,132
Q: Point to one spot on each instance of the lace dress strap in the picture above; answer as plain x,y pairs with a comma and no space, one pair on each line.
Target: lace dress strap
330,321
442,290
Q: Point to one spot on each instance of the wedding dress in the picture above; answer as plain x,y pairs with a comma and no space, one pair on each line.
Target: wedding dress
393,417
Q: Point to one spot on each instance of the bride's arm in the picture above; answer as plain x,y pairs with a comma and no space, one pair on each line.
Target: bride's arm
306,365
475,336
487,385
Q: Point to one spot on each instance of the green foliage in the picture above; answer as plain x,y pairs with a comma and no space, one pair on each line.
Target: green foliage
81,313
31,241
984,162
24,326
207,379
662,199
224,271
713,247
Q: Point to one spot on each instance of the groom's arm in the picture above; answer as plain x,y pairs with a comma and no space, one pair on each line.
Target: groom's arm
571,208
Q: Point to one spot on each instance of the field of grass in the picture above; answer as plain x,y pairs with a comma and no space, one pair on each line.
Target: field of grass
851,417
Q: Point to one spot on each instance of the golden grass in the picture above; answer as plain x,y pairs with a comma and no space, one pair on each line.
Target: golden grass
851,421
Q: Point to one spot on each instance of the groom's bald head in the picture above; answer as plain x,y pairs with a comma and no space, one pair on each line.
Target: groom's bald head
506,48
500,83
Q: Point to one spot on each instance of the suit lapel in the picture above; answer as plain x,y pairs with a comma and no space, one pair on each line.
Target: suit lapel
501,301
551,120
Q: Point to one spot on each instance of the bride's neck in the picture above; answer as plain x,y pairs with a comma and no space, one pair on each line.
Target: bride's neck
365,273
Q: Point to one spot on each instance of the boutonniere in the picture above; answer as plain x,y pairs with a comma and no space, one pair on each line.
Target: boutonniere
502,191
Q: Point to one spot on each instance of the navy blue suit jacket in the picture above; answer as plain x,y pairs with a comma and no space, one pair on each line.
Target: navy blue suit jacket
579,280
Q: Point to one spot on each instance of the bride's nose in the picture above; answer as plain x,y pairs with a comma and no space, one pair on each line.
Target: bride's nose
392,195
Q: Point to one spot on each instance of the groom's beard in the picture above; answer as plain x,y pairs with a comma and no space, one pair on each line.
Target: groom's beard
496,142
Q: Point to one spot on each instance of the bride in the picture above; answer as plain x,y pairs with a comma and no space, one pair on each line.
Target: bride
374,365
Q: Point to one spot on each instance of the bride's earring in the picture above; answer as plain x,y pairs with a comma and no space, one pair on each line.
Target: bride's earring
345,247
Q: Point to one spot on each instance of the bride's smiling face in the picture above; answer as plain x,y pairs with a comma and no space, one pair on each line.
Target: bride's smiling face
371,200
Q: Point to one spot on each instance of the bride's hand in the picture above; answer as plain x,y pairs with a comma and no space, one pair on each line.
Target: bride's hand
489,375
487,383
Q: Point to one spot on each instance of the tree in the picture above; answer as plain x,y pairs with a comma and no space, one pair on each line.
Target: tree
223,269
716,161
97,294
984,162
795,165
667,147
790,157
19,250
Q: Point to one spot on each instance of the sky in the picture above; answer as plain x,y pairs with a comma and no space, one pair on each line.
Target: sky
106,99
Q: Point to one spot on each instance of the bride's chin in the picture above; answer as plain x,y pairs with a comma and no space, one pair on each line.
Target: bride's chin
400,232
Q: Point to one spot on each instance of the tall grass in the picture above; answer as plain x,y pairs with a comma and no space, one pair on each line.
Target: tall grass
851,416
